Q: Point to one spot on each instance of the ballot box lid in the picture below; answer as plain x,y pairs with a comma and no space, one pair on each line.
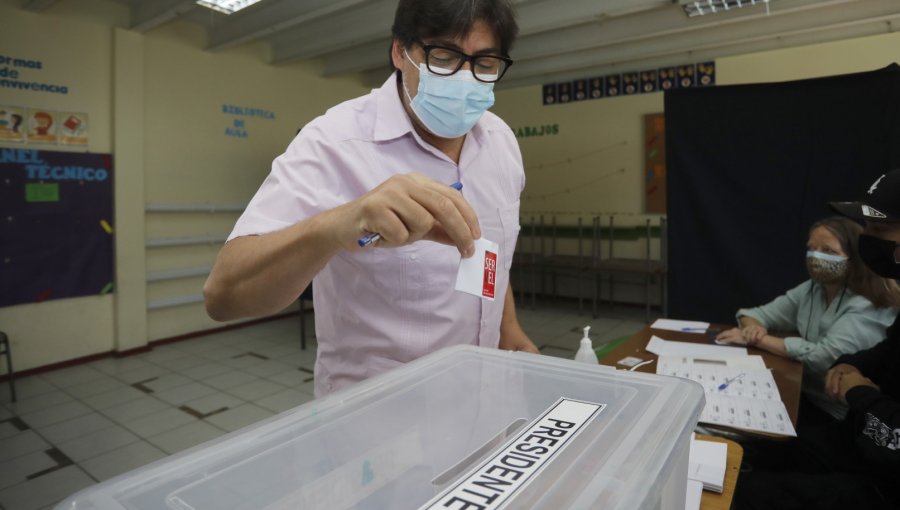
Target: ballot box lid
465,427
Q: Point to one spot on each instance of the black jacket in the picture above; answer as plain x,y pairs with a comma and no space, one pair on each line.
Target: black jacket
875,414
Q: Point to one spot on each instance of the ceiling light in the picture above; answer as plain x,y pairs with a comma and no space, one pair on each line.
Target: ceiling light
701,7
227,6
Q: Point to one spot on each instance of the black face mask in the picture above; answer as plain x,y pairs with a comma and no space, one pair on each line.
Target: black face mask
879,255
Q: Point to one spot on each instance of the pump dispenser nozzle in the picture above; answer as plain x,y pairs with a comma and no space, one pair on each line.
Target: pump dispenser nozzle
586,352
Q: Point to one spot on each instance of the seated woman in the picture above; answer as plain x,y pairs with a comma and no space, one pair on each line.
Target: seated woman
843,308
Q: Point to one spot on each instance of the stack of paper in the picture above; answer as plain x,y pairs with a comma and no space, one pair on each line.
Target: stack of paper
692,496
662,347
707,464
674,325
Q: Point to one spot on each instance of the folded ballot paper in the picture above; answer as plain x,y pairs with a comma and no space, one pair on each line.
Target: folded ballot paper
707,464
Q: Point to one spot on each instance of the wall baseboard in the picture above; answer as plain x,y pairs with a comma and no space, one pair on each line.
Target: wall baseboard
147,348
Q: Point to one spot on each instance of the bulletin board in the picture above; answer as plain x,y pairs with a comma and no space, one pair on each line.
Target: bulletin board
56,225
655,163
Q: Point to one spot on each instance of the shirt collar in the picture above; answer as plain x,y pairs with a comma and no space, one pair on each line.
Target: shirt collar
391,120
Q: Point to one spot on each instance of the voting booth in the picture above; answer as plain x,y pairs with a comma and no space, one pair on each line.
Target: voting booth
463,428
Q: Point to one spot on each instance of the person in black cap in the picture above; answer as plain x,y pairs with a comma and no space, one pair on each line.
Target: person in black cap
854,463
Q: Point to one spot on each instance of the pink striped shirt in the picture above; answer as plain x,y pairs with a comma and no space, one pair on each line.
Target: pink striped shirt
381,307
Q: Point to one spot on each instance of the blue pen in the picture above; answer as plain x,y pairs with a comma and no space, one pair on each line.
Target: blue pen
729,381
371,237
693,329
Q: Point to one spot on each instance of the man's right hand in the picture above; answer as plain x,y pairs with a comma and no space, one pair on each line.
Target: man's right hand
408,208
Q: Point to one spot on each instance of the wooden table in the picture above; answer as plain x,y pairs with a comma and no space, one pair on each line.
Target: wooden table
788,374
711,500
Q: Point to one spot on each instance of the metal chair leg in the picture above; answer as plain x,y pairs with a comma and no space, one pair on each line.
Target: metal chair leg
302,325
6,349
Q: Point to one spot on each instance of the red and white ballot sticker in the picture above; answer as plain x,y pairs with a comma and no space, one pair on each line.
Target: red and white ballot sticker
477,275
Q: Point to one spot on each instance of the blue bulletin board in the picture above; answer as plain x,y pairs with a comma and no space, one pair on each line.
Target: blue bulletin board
56,225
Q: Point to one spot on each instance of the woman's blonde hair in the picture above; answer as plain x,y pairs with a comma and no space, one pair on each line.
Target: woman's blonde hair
882,292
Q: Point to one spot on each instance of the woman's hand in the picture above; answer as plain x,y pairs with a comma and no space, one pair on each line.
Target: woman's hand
731,336
754,333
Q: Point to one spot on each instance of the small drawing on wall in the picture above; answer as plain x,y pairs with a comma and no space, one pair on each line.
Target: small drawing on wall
612,85
596,88
706,74
580,87
42,126
550,93
686,76
667,78
565,92
73,128
630,83
648,81
12,124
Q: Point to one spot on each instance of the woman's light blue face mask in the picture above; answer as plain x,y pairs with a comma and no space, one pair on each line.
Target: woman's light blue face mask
449,106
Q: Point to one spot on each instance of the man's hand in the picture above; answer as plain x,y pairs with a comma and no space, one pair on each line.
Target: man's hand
841,378
517,341
407,208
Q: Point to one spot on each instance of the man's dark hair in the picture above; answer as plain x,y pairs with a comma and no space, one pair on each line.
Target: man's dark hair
417,20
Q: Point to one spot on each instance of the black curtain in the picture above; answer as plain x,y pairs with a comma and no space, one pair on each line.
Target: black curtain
751,167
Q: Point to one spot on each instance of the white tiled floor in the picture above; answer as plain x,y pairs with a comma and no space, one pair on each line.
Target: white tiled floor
76,426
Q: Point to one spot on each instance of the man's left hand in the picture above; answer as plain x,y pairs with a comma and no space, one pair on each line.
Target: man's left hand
518,341
851,380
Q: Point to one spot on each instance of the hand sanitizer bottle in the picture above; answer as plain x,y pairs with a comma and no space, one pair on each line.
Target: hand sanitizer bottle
586,352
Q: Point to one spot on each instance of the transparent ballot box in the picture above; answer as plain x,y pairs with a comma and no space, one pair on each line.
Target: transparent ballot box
463,428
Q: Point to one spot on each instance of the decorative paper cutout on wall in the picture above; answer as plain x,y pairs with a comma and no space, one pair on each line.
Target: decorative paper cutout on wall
42,126
12,124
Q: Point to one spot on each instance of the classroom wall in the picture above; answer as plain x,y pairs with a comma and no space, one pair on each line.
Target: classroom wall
594,165
186,143
157,98
58,330
155,101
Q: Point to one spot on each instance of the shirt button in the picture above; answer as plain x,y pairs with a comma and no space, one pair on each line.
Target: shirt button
413,256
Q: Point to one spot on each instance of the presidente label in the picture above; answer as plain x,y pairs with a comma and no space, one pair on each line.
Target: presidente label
495,482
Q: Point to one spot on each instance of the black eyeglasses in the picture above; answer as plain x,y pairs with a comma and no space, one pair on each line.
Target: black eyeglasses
447,61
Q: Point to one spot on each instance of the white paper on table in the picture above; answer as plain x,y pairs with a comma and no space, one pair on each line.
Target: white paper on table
662,347
740,382
692,496
676,325
753,361
707,464
769,416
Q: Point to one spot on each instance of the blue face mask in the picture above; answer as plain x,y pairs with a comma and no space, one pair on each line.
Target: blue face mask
449,106
825,256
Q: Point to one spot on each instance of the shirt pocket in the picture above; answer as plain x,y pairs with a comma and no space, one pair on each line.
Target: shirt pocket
509,221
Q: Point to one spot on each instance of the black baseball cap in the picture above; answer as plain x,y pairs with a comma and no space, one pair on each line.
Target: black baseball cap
881,203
